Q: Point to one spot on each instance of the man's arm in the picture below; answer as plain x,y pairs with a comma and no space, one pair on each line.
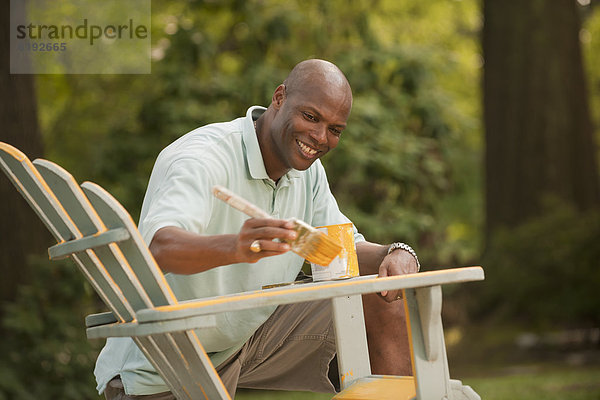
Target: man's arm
373,259
179,251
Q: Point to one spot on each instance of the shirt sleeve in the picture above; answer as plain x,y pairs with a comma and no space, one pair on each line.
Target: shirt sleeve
326,210
180,196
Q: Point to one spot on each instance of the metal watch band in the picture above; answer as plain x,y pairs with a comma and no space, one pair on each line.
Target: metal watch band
404,246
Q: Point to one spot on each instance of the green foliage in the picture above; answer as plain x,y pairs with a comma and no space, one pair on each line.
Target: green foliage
545,272
45,354
393,164
590,40
404,166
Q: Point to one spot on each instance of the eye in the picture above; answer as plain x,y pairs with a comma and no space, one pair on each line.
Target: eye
309,116
335,131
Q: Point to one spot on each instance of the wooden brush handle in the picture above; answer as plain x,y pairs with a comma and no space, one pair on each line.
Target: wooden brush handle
238,202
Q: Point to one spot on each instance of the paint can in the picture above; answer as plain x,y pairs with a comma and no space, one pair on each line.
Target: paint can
345,265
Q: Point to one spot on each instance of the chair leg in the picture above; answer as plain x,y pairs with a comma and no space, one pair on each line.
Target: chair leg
462,392
427,338
350,339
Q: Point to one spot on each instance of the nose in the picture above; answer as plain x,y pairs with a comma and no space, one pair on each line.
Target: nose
319,134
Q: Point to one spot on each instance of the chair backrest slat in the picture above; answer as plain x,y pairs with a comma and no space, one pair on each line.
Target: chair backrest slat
31,185
134,249
112,264
104,285
29,181
67,191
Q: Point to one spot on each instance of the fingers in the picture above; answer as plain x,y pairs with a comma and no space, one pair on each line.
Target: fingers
266,236
391,296
269,246
392,266
383,272
269,229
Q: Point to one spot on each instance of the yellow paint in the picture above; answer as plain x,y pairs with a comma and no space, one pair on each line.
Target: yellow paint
410,336
345,265
291,290
14,152
380,388
31,170
347,374
209,366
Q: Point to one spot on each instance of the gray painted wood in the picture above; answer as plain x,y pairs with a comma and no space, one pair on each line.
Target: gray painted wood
106,259
156,355
463,392
185,379
30,183
71,198
200,366
131,329
308,292
65,249
350,339
135,250
432,376
100,319
429,300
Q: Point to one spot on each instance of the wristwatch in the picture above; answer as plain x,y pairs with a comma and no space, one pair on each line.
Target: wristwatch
404,246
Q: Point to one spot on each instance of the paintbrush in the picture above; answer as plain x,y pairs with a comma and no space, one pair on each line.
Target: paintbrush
310,243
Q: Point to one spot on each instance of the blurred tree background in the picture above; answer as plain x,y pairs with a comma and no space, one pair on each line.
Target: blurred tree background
416,162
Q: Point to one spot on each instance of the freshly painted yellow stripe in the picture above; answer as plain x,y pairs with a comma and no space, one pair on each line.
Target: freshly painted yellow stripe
287,291
209,366
14,152
410,337
380,388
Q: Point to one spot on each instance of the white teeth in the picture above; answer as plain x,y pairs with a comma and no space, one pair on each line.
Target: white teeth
306,149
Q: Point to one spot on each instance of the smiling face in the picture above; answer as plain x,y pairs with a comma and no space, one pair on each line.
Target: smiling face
309,117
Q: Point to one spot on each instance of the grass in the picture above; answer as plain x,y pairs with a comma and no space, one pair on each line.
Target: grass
523,383
275,395
529,383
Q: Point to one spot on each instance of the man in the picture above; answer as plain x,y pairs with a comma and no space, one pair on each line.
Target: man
270,157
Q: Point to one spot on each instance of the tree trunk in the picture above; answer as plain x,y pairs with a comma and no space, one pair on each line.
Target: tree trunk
21,231
539,136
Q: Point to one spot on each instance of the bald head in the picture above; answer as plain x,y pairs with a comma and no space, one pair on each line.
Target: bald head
314,74
305,119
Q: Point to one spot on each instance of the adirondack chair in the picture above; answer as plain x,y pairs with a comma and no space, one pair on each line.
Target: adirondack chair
92,228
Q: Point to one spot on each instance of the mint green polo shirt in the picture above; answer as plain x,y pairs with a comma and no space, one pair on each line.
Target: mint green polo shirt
179,194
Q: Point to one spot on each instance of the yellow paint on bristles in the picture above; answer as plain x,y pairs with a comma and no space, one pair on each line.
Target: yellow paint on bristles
315,246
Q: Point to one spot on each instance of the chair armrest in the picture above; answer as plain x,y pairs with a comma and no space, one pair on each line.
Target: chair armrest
133,329
307,292
100,319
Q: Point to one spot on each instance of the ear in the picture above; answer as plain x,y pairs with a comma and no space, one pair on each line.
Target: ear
278,97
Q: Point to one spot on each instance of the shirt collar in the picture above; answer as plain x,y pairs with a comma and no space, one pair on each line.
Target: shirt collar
254,159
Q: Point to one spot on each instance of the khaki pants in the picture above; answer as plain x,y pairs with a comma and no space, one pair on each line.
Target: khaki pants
292,350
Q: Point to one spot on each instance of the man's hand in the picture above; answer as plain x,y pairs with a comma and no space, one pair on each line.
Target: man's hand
373,259
263,230
182,252
398,262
